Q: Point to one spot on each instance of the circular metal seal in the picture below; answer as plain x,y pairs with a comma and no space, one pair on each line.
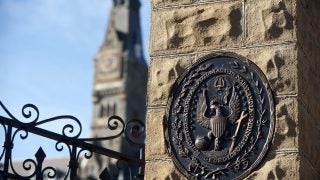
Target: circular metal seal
219,120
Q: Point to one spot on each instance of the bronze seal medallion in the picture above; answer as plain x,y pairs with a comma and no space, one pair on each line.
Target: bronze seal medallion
219,120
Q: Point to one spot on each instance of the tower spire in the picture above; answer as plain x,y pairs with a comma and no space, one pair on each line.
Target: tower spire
124,29
132,4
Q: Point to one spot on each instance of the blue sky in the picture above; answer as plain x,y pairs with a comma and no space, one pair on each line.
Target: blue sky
46,56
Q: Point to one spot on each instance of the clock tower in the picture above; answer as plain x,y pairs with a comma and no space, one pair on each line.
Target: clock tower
120,82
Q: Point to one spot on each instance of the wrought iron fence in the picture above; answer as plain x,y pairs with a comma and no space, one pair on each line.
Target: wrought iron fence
133,131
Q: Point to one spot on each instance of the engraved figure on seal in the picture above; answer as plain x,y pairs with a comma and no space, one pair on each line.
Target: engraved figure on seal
214,119
220,118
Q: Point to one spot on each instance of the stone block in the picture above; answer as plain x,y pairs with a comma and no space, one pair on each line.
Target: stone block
281,166
308,26
162,170
194,28
307,171
155,141
163,73
286,126
270,21
309,136
309,82
278,63
308,35
164,3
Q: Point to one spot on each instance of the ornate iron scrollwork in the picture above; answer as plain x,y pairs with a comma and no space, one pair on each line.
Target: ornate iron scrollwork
220,118
69,138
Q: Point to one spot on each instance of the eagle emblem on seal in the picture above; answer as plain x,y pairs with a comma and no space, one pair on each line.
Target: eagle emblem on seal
220,118
216,115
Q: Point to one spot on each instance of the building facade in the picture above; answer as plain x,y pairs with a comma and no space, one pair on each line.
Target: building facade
119,84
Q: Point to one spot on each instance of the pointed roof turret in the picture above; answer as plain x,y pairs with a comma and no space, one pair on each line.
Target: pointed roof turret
124,29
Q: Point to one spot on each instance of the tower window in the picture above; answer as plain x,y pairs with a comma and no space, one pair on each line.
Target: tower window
109,110
101,111
104,111
114,109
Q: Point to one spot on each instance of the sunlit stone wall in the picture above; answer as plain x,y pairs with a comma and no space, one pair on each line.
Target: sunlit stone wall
281,36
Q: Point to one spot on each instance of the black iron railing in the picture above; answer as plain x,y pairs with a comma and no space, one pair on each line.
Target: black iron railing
132,131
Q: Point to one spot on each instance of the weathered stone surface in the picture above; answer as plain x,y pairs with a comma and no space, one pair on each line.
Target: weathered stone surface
309,136
308,35
277,167
162,170
163,3
286,127
309,82
308,26
308,53
163,73
155,138
307,171
187,29
270,21
271,28
278,63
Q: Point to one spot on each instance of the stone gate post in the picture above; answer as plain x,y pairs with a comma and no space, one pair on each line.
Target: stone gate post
282,37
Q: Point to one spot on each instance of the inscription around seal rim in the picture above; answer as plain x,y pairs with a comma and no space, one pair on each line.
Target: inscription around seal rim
220,118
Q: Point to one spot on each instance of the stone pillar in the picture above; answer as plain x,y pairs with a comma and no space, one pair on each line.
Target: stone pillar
281,36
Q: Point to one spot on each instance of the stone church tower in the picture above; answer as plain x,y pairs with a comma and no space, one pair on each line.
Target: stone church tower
119,82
